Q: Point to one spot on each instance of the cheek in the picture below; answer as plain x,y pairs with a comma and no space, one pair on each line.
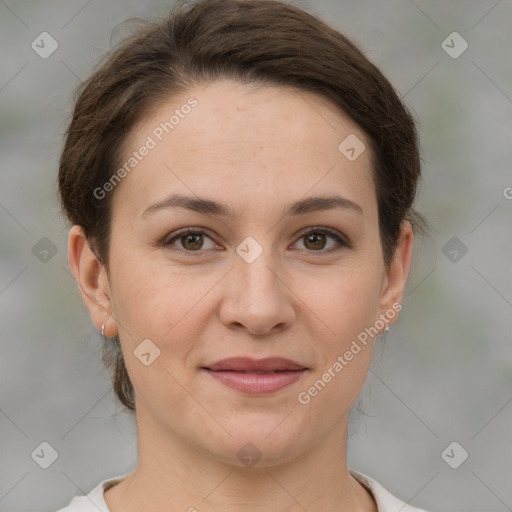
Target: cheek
157,305
347,312
147,291
162,303
346,301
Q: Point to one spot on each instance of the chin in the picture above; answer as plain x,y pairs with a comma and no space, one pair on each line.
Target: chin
264,444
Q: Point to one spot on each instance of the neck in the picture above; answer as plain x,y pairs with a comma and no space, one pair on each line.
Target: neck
175,475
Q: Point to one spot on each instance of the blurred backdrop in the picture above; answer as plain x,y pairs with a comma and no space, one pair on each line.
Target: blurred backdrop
437,428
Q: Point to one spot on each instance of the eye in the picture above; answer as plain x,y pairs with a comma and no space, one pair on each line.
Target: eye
192,240
315,239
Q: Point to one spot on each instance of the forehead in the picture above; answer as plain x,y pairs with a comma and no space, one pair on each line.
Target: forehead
261,142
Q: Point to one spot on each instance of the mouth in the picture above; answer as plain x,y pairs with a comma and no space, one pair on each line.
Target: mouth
256,376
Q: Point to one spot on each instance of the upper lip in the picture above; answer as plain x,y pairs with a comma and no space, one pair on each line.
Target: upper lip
246,364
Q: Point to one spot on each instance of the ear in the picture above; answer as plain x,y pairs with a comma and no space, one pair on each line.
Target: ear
396,275
92,280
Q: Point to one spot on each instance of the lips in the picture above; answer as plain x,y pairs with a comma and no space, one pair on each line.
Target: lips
248,365
256,376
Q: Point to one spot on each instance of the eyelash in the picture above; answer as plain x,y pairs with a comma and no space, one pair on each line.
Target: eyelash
343,243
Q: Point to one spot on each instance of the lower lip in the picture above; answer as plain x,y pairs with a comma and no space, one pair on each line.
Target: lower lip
257,382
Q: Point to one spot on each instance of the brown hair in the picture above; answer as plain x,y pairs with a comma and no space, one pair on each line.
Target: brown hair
262,41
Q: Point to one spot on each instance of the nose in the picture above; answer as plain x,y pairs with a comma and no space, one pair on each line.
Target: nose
257,297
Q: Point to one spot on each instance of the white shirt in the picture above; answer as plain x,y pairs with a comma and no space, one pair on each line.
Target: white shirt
94,501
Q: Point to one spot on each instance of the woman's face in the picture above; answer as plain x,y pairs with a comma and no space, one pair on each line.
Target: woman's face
268,281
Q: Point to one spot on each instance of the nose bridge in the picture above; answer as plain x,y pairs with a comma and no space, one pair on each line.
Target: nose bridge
258,297
253,269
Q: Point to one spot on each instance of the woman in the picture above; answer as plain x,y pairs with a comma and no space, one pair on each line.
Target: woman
240,181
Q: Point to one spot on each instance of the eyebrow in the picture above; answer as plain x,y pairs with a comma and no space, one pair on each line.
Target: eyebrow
210,207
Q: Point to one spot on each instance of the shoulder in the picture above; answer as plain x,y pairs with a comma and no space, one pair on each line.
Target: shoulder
386,502
94,501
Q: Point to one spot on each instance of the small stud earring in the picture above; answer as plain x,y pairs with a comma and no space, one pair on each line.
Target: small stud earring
103,329
386,330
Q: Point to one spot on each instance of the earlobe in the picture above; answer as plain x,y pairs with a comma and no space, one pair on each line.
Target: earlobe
91,278
397,273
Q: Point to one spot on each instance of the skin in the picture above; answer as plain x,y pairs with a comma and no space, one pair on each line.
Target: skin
255,149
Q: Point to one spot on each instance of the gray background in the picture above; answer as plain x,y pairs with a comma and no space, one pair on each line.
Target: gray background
445,371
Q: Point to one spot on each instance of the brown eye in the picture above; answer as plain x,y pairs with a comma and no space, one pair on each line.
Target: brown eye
190,240
315,240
